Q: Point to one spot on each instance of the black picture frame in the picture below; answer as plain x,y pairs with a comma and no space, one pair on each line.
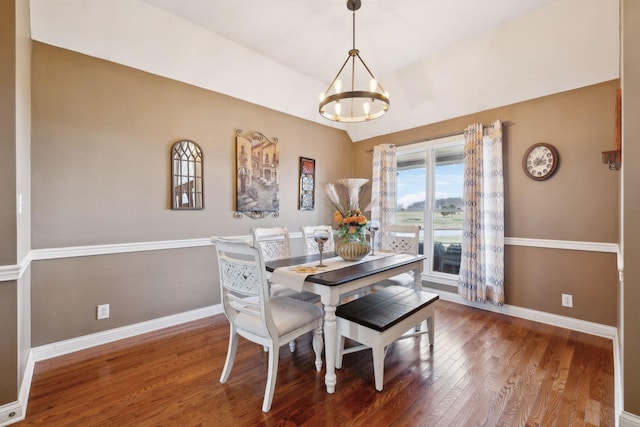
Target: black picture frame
307,184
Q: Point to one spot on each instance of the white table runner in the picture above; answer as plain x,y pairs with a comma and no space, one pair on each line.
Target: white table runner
294,276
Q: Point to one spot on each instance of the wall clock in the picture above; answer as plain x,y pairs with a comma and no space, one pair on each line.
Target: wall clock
540,161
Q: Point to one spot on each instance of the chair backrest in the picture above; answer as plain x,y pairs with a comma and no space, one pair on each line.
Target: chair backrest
243,288
401,238
310,245
273,241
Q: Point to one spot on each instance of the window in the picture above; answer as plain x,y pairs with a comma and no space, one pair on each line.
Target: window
430,187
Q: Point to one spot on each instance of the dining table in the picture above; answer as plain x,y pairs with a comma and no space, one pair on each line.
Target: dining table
339,278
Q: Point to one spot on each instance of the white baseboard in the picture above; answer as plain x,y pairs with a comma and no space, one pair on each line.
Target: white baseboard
534,315
16,411
60,348
628,420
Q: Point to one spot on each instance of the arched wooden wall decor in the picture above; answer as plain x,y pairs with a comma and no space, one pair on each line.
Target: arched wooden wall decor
187,184
257,177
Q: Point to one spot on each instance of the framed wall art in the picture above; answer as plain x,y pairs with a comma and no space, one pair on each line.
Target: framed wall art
257,178
187,185
307,184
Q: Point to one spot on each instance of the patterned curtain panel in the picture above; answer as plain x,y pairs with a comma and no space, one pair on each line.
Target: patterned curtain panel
383,186
481,276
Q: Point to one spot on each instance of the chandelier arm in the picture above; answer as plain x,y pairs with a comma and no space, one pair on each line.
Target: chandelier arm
338,75
369,71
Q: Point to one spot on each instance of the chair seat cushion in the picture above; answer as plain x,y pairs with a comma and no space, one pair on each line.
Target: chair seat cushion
284,291
288,314
404,279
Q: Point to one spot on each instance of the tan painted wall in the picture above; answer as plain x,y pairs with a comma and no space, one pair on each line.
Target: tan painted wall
9,344
580,202
137,286
101,142
8,232
7,133
631,203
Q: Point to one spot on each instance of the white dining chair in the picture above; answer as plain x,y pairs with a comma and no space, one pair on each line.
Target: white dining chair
401,239
274,244
310,245
257,316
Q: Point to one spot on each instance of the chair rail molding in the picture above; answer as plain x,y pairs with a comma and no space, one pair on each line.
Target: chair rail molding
15,272
563,244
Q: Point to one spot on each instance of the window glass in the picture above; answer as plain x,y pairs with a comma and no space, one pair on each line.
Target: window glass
430,188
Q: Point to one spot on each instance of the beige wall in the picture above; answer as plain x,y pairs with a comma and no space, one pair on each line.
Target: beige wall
7,133
101,141
631,203
579,203
137,286
102,134
9,347
8,232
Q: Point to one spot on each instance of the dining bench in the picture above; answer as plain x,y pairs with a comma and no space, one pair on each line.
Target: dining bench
382,317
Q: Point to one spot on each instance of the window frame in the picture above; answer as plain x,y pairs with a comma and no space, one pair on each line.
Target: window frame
429,148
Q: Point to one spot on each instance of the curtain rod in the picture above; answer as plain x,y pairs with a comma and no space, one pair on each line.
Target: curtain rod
431,138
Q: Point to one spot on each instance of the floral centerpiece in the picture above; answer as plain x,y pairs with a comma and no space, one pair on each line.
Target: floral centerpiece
346,196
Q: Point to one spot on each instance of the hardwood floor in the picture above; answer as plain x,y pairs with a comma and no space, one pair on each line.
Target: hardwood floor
485,369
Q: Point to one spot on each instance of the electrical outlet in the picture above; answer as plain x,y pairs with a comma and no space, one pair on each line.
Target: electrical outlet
567,300
103,311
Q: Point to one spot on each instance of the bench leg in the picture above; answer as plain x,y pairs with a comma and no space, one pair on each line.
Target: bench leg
378,365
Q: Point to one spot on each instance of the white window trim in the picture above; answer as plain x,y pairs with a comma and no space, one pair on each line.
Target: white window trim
428,147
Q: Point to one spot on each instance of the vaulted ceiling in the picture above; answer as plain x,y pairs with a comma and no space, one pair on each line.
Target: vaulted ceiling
438,59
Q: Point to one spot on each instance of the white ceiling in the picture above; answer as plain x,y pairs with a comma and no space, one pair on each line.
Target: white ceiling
437,58
314,36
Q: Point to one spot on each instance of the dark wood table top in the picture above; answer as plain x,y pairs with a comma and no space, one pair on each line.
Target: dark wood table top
349,273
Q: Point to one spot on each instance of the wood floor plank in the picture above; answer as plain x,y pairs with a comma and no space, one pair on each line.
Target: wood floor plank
484,369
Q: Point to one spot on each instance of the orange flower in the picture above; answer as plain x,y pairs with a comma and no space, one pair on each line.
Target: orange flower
337,217
361,219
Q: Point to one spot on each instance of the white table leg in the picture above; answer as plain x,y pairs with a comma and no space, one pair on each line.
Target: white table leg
417,280
330,338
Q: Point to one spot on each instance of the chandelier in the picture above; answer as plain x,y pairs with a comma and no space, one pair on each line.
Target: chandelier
354,105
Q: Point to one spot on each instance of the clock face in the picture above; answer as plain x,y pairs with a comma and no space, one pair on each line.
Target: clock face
540,161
